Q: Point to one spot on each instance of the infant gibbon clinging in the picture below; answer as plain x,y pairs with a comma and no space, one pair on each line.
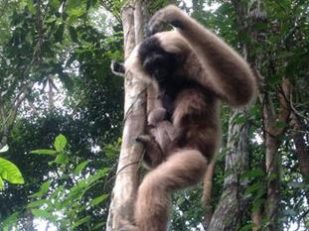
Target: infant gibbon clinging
192,70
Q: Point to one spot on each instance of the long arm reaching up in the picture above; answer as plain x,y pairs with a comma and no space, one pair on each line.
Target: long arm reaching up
226,71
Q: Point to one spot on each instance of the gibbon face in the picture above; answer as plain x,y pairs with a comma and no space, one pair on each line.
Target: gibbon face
157,62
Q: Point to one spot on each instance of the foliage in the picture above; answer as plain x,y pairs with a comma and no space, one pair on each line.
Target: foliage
9,171
54,49
64,200
55,79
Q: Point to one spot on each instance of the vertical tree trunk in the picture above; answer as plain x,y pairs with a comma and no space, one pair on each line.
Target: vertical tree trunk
273,162
207,194
228,214
302,149
274,127
126,183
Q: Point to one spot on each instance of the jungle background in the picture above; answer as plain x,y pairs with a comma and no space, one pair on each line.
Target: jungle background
62,116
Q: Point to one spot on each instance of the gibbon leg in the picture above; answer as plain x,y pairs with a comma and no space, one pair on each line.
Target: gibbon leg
153,153
182,169
157,142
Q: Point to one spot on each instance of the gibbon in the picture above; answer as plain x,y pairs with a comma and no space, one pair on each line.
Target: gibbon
160,134
159,131
192,70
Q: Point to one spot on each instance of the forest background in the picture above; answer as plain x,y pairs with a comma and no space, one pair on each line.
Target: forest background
61,116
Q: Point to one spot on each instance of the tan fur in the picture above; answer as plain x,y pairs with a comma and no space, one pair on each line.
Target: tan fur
226,69
220,74
133,64
182,169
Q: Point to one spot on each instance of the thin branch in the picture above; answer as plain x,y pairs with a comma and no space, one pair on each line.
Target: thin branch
130,109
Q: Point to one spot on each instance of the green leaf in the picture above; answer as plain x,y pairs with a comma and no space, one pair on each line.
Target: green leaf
50,152
254,173
31,7
239,119
43,213
76,8
257,205
79,168
252,189
280,124
73,34
10,172
38,203
4,148
59,33
99,199
81,221
10,221
60,143
247,227
44,188
61,159
100,225
1,183
55,3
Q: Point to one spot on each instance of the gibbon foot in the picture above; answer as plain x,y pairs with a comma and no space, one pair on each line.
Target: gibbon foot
144,139
157,115
153,155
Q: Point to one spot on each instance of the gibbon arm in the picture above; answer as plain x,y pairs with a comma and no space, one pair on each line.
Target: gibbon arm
225,71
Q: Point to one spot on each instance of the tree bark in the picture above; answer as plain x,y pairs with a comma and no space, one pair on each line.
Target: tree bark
207,193
230,209
126,183
302,149
228,214
274,127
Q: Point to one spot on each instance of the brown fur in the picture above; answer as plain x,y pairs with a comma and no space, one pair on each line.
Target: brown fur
215,72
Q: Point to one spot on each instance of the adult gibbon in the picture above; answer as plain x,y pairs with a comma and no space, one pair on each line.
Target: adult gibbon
192,70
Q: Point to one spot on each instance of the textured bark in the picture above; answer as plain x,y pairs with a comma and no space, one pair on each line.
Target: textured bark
207,194
274,127
256,217
229,212
273,162
126,183
302,149
274,123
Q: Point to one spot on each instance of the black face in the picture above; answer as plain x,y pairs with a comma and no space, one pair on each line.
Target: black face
159,66
157,62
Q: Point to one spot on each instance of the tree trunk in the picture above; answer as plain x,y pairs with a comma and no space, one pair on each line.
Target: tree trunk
302,149
274,127
126,183
207,193
228,214
127,177
256,217
273,162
